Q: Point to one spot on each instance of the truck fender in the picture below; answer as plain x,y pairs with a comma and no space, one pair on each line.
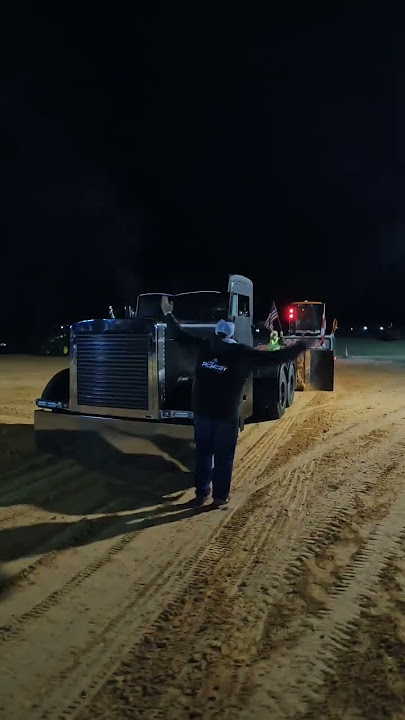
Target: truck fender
58,387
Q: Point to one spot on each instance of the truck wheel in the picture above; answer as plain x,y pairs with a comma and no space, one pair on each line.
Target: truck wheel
291,382
270,397
277,405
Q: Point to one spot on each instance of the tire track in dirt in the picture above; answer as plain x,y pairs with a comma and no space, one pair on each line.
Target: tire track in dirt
82,677
35,476
108,513
249,459
247,468
219,687
218,558
246,463
176,614
332,420
299,658
93,660
100,519
34,482
15,628
268,443
369,673
56,484
214,551
314,658
67,539
58,472
187,567
65,486
27,466
78,485
333,443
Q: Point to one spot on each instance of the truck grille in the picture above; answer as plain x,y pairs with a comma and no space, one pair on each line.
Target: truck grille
112,370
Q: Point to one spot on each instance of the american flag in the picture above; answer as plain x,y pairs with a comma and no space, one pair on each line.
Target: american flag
273,316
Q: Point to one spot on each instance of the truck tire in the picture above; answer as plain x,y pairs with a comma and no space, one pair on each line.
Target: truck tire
278,403
270,396
291,383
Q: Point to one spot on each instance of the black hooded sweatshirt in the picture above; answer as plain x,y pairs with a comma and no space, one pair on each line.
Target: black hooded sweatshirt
222,369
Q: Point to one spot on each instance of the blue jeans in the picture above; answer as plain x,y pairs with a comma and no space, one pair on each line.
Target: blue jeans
215,440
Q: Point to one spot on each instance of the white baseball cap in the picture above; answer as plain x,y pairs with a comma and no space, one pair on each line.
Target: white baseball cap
225,327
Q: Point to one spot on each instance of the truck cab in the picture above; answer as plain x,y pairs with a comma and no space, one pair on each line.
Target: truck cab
198,312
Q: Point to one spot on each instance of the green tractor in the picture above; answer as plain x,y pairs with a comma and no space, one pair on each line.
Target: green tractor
58,341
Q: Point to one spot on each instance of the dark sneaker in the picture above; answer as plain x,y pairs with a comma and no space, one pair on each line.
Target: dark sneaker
198,501
218,503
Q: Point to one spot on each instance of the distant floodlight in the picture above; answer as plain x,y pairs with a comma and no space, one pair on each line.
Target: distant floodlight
365,327
381,327
351,328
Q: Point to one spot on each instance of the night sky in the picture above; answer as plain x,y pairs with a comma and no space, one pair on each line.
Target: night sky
164,150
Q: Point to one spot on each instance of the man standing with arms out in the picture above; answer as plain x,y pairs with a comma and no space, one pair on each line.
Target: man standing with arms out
222,368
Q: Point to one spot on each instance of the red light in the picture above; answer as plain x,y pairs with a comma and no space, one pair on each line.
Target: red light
291,314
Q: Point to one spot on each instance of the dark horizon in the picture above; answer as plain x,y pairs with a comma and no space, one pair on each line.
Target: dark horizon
168,154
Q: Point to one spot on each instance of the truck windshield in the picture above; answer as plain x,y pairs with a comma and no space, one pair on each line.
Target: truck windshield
308,317
201,307
193,307
149,306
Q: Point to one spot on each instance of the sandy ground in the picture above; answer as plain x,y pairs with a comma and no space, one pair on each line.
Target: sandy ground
118,602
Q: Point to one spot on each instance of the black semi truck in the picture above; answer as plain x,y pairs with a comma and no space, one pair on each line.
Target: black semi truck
130,377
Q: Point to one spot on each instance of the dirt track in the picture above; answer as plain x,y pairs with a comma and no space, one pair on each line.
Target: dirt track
119,602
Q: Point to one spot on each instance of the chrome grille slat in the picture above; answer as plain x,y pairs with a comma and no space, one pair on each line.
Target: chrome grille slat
112,370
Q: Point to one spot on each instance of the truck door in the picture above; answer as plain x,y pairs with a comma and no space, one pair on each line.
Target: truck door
241,307
241,313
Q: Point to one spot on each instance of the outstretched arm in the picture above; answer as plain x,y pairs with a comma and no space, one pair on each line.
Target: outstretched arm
257,359
179,333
